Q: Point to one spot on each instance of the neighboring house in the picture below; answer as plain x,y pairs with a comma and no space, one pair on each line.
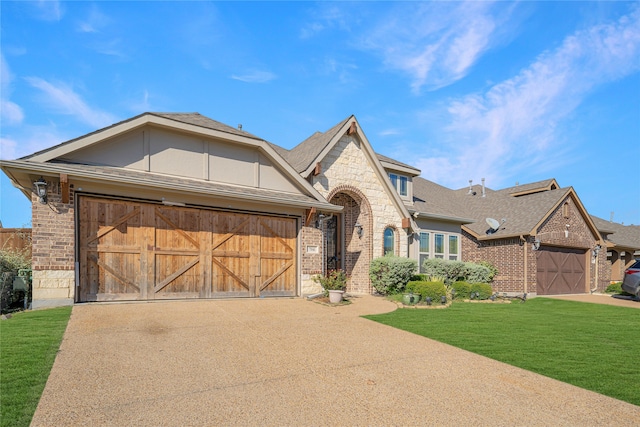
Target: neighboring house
542,240
623,245
181,206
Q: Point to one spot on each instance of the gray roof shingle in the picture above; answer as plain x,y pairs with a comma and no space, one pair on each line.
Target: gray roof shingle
625,236
195,119
302,155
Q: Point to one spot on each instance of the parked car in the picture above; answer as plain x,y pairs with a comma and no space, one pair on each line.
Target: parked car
631,282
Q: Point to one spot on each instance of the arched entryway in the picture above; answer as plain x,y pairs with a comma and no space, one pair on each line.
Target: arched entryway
349,237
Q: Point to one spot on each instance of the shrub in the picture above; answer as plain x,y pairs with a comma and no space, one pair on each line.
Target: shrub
493,271
419,278
11,262
477,273
484,289
614,288
435,267
335,280
454,271
463,289
433,290
390,274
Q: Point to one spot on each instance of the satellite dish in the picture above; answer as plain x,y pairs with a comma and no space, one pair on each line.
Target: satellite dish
494,225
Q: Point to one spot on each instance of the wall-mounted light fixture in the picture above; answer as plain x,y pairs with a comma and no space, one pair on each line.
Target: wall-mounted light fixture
594,252
41,190
535,245
358,228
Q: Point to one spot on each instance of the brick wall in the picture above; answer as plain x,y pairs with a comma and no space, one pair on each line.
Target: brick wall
357,249
508,254
554,231
53,249
310,263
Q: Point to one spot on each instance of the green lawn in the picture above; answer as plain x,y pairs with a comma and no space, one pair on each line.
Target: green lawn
593,346
29,342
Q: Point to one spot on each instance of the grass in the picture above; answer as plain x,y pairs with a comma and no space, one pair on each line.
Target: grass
29,342
591,346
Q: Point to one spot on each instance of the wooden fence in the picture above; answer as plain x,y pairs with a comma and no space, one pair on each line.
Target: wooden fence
15,239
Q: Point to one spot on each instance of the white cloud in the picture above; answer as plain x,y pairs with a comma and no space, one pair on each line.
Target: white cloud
255,77
435,43
7,149
327,16
514,124
389,132
10,112
30,140
49,10
64,100
95,21
140,105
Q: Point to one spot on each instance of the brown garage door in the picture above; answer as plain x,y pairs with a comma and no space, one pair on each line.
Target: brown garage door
560,271
132,251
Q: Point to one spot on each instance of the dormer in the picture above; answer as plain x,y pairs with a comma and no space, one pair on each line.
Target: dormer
401,176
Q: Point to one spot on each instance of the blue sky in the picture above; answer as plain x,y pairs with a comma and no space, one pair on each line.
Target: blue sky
507,91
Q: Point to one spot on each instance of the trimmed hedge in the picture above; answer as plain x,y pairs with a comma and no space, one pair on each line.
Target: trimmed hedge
463,289
484,289
454,271
433,290
390,274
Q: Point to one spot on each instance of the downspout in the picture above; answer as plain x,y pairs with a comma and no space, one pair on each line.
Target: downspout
525,263
597,261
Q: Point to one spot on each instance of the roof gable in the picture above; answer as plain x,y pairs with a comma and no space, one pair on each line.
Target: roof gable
315,148
305,155
533,187
185,145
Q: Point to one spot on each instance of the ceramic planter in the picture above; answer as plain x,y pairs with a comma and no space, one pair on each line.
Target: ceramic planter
410,299
335,296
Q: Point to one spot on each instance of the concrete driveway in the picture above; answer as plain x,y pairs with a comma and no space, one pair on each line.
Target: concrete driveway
286,362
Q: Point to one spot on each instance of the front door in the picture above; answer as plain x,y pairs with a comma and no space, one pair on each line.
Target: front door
334,244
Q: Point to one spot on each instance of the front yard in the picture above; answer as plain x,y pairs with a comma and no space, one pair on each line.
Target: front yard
592,346
29,342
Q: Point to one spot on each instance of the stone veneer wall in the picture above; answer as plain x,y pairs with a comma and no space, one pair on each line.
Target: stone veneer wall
346,165
53,249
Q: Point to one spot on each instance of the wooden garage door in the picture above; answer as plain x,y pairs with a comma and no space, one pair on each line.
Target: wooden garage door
560,271
131,251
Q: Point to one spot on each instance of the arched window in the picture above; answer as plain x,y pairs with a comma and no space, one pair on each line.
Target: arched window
389,241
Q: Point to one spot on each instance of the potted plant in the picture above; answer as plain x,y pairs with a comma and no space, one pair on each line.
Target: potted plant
334,283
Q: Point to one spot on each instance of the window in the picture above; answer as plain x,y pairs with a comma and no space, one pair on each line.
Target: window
394,180
400,183
403,186
453,248
438,245
424,249
389,241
